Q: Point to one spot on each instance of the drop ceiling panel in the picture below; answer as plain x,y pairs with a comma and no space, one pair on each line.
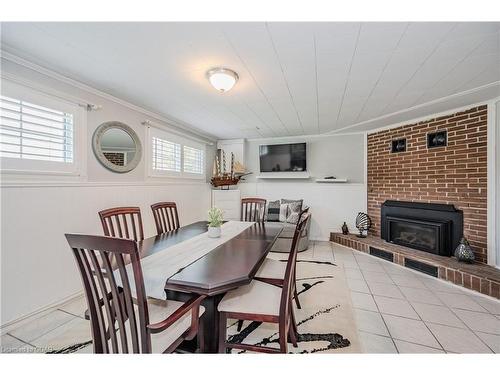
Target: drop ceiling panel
295,78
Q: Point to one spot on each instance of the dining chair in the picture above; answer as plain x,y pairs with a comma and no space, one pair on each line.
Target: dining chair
166,216
115,224
264,302
273,271
121,322
253,209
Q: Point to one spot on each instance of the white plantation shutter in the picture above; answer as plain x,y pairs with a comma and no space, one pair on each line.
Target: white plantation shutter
166,155
193,160
31,131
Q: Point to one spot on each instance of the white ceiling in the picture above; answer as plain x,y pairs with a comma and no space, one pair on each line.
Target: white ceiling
295,78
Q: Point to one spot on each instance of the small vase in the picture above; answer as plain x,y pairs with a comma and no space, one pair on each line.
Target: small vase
213,232
345,229
464,252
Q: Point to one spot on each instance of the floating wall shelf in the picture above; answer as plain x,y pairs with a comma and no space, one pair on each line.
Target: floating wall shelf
287,177
331,180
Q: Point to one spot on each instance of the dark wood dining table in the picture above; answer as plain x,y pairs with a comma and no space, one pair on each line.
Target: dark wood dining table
228,266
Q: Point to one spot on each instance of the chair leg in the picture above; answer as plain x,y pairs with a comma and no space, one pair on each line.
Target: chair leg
283,339
296,297
240,325
222,332
292,336
293,323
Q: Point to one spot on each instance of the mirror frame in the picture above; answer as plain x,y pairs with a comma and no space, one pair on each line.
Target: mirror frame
96,145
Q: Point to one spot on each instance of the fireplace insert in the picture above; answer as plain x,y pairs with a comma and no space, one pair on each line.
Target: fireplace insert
430,227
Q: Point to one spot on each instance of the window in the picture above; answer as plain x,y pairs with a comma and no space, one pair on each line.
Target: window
172,155
39,133
166,155
193,160
30,131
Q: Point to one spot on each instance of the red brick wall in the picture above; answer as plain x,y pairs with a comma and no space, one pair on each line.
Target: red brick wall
453,174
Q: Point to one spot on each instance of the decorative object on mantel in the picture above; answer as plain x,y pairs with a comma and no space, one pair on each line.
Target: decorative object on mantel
215,219
220,177
363,223
345,229
438,139
464,252
398,145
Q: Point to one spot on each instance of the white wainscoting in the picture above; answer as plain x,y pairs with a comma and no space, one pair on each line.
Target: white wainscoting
330,204
38,268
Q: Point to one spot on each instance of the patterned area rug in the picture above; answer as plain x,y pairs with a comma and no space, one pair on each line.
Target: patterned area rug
325,323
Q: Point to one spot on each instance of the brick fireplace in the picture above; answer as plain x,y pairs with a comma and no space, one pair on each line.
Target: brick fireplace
409,163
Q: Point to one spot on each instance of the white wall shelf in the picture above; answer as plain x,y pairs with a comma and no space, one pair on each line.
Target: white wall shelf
331,180
284,177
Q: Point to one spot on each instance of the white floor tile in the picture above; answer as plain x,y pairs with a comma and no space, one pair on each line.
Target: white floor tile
46,323
350,264
375,267
493,341
410,330
479,321
395,307
437,314
385,290
376,344
76,307
357,286
408,281
437,285
458,340
394,269
10,344
353,273
363,301
420,295
493,306
376,277
408,348
370,321
460,301
74,332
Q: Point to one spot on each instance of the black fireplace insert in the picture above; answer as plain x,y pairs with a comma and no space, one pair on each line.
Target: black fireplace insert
434,228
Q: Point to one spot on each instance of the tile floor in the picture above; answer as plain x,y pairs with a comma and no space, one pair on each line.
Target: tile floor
396,310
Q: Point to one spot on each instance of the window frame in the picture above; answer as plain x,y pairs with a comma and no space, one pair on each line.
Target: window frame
156,131
19,166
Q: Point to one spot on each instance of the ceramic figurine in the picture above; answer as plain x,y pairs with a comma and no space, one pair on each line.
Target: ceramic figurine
464,252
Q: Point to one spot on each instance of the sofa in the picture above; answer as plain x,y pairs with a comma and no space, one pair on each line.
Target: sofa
284,241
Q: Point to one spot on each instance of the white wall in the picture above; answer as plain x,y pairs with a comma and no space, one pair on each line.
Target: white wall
331,204
37,267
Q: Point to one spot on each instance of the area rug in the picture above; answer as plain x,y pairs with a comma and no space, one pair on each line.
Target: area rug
325,323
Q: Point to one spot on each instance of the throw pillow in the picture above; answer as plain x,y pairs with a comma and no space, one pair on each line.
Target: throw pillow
273,211
295,207
283,212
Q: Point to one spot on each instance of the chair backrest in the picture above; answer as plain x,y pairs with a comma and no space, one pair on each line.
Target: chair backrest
289,279
122,222
117,327
166,216
253,209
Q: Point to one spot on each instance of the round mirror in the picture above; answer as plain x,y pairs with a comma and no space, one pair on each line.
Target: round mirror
117,146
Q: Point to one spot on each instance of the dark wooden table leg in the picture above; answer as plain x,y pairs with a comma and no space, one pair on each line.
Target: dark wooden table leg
210,319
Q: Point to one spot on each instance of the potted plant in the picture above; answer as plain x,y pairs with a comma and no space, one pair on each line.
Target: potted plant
215,219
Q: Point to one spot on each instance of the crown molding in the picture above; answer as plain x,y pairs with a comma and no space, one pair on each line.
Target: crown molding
10,54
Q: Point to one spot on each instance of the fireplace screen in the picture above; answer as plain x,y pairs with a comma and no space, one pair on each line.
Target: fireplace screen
414,235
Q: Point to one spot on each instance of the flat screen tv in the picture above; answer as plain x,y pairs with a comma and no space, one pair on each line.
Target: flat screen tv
283,158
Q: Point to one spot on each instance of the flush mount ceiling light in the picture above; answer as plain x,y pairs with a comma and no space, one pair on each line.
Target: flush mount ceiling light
222,79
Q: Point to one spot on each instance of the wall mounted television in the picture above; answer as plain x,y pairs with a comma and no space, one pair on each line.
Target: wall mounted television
283,158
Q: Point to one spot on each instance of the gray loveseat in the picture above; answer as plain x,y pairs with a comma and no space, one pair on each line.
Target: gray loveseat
284,241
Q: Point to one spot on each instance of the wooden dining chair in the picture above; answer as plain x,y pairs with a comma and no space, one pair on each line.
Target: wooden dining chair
115,223
166,216
121,322
253,209
263,302
273,271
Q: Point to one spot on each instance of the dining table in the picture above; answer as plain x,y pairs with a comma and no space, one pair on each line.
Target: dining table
229,265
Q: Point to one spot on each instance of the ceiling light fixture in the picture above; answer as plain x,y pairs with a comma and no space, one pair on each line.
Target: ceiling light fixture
222,79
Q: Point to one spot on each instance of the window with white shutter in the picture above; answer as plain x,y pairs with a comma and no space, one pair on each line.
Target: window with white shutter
193,160
173,155
166,155
39,133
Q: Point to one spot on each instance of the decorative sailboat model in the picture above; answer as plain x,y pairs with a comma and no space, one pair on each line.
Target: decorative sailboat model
221,178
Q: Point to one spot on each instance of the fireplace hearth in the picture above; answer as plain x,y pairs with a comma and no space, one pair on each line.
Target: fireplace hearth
430,227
